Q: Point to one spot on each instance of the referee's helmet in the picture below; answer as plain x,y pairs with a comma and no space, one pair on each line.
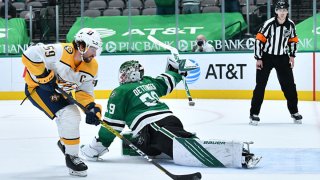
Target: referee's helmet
282,4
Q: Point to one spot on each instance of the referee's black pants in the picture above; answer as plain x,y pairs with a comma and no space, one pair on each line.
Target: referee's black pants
286,80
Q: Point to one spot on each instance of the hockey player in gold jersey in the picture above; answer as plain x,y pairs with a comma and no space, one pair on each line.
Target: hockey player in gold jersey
70,66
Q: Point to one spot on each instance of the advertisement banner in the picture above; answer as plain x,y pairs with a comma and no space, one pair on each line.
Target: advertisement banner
306,34
18,38
229,75
118,37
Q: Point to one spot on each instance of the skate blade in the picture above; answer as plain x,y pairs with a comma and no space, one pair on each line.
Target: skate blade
78,173
297,121
254,123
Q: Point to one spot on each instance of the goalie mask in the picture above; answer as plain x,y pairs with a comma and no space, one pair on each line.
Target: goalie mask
130,71
91,38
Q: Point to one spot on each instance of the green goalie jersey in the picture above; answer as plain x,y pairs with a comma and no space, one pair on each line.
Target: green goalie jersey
137,104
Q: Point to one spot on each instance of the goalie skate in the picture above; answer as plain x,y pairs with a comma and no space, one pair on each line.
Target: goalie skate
76,166
249,159
93,151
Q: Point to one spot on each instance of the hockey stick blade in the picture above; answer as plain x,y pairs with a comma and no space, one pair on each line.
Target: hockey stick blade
194,176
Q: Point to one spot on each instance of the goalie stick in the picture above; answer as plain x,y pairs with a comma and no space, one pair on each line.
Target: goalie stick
193,176
191,102
175,54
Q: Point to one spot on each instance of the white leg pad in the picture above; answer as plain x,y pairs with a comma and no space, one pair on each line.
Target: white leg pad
228,153
68,121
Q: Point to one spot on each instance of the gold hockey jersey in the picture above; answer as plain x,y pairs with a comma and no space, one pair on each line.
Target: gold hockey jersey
60,59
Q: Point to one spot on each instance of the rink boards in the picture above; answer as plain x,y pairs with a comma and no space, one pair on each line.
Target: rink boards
221,75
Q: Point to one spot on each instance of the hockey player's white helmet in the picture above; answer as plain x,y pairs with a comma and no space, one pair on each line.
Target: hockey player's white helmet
130,71
91,38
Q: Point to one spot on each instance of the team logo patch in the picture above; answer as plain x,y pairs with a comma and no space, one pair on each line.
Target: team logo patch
54,98
69,49
112,94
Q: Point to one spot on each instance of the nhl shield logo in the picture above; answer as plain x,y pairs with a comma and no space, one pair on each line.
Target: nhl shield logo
286,33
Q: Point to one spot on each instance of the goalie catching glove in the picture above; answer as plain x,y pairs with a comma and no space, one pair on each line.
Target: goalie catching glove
93,115
181,66
47,80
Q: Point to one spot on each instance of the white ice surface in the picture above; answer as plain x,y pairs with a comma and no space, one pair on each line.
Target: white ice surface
28,149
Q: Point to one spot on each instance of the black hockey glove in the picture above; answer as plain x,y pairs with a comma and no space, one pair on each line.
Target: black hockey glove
94,115
47,81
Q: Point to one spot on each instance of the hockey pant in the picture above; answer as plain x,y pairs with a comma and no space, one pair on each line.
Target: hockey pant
67,116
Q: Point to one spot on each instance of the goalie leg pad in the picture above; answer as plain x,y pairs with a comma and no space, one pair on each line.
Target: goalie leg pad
68,121
211,153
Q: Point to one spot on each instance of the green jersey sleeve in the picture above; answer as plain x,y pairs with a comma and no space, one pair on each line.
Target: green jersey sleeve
166,82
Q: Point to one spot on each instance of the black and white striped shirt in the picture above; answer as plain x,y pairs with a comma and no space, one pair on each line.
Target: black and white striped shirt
276,39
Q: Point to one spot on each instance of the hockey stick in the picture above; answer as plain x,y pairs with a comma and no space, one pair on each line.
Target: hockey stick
191,102
193,176
175,54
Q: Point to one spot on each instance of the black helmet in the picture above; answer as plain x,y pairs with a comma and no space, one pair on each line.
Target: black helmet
282,4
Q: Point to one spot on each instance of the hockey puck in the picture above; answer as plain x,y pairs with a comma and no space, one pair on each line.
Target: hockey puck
191,103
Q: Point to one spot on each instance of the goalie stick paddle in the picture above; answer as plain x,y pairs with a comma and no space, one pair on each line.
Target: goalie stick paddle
175,54
193,176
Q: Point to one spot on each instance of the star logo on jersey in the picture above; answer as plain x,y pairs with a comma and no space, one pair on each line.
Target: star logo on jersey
112,94
54,98
69,49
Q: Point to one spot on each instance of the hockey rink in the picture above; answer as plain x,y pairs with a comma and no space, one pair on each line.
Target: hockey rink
28,149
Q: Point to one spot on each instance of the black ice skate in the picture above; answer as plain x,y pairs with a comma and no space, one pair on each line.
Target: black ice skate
297,118
254,120
76,166
249,159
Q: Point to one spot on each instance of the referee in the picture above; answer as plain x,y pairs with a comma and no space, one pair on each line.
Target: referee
275,47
